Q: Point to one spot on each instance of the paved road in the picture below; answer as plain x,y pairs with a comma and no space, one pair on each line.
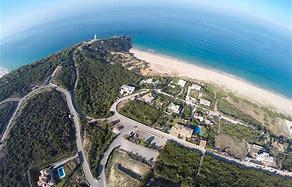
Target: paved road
10,100
64,161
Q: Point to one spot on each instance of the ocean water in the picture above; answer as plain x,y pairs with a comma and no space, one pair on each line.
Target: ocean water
227,43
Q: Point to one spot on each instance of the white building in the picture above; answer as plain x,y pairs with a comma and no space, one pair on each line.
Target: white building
265,159
174,108
196,87
147,81
181,83
205,102
45,179
147,98
127,90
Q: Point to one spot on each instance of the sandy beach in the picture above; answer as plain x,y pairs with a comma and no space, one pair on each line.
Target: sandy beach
161,64
2,72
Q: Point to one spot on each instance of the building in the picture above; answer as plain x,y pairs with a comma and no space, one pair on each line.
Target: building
203,144
181,131
289,125
181,83
196,87
198,117
266,159
205,102
45,179
174,108
127,90
147,81
147,98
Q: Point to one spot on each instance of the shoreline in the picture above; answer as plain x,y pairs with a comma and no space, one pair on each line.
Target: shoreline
3,72
166,65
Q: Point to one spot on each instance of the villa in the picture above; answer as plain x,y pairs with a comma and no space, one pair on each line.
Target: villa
180,83
181,131
174,108
127,90
45,179
205,102
196,87
147,98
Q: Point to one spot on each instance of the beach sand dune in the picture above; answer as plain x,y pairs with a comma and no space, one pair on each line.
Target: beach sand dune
169,66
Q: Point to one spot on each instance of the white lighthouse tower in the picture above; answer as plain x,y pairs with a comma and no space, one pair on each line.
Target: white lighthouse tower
94,37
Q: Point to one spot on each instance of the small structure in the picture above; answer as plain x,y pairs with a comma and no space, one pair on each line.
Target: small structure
174,108
181,131
203,144
196,87
147,81
147,98
45,179
181,83
127,90
266,159
61,172
205,102
289,125
198,117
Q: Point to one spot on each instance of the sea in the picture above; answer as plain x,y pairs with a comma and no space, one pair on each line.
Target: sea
255,52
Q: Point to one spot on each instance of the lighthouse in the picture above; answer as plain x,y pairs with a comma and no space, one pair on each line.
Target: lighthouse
94,37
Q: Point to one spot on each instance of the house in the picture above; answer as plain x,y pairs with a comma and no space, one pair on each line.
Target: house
181,131
198,117
181,83
45,179
203,144
266,159
127,90
174,108
147,81
205,102
196,87
289,125
147,98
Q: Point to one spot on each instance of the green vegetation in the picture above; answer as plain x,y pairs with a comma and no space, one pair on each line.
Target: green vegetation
287,164
226,108
214,172
239,131
6,110
100,138
178,164
140,111
19,82
65,76
100,80
172,91
42,134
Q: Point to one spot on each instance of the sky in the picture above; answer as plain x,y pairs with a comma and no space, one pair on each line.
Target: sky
17,15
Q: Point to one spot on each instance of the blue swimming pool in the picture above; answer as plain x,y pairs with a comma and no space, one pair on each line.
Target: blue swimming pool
61,172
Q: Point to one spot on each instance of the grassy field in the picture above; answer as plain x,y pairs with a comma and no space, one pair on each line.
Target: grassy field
140,111
178,164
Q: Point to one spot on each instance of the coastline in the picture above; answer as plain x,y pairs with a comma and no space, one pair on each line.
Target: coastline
3,72
165,65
